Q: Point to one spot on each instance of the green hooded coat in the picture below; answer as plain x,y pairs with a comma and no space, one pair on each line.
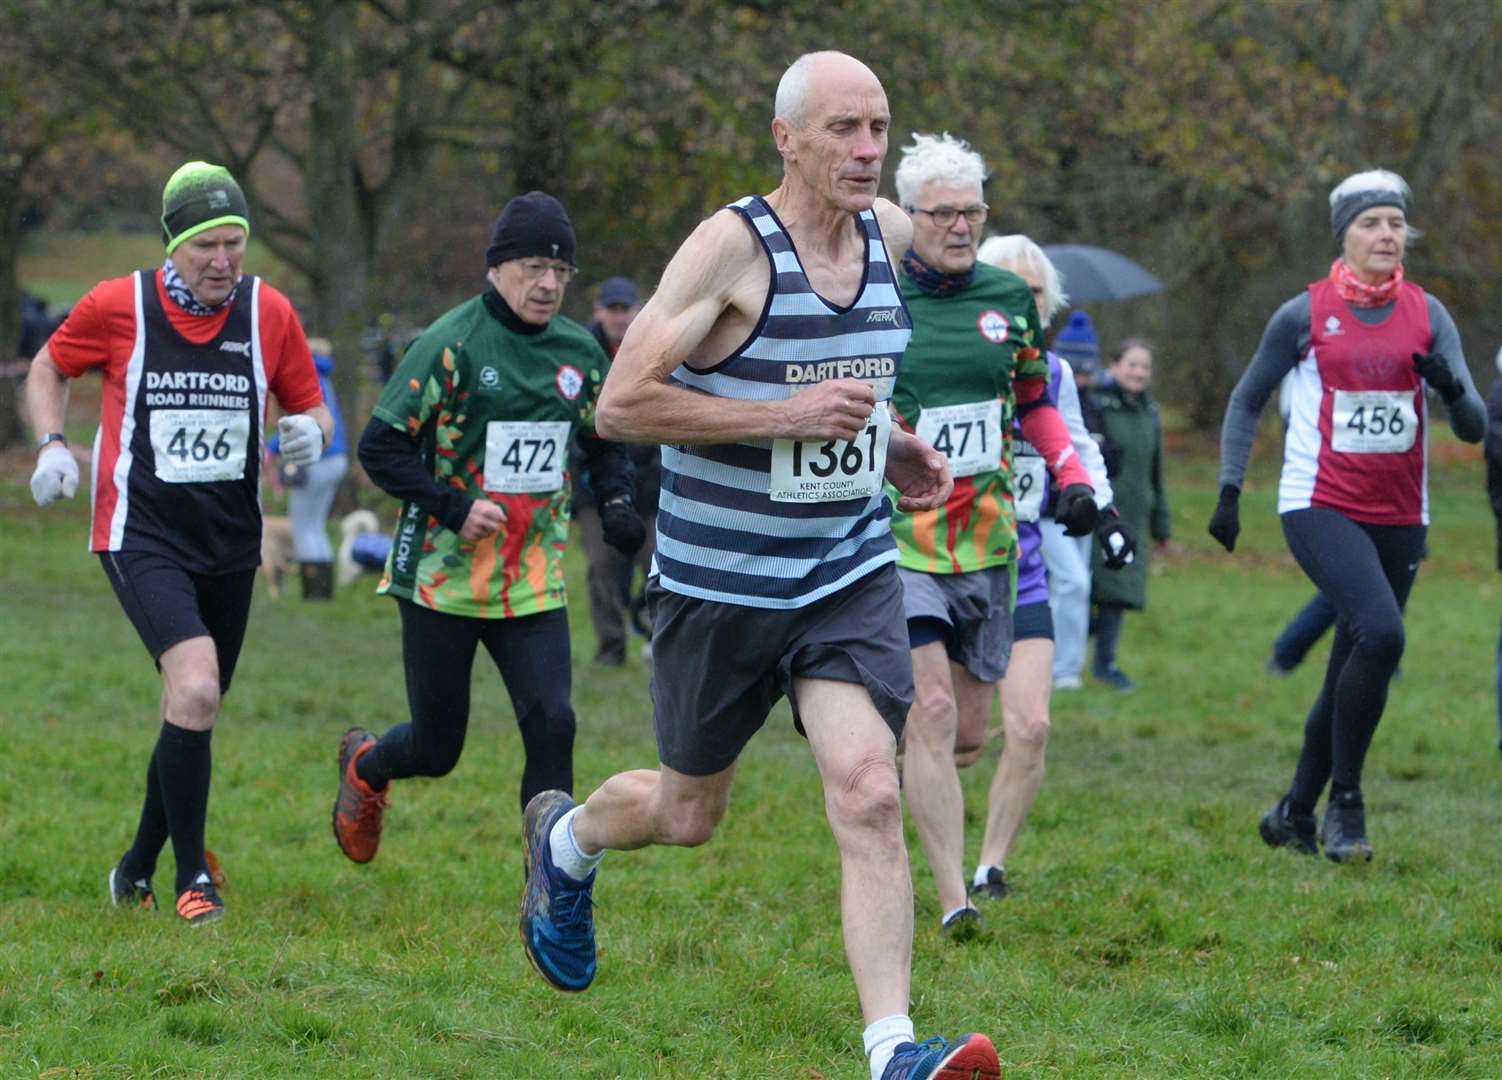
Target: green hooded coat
1131,425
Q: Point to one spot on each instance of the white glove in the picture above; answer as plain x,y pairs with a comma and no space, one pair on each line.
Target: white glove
302,439
56,476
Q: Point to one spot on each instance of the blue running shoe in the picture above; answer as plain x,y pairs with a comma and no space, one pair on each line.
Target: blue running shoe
558,927
970,1057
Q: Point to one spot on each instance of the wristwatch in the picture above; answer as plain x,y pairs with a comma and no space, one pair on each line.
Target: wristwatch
50,437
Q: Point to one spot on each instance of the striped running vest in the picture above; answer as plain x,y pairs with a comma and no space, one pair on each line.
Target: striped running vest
721,533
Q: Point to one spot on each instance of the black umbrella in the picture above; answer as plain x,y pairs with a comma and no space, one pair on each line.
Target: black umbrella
1095,273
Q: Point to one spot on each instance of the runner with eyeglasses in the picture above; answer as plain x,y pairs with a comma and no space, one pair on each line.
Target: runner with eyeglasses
472,435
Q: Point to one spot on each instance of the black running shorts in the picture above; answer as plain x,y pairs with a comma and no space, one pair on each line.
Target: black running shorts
718,668
167,604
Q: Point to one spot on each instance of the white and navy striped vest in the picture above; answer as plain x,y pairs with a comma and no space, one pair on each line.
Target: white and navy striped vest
719,534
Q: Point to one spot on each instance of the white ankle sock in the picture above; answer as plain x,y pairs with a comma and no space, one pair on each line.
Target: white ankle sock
883,1037
567,855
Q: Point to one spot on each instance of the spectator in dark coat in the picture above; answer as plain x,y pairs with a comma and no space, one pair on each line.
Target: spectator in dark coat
1130,422
1493,447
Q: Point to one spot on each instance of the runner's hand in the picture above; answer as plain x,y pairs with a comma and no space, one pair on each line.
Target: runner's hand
485,519
1076,510
836,409
56,475
919,471
622,526
1225,523
1434,369
1118,547
302,439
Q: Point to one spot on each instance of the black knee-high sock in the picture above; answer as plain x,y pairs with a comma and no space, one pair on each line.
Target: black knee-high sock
151,831
1107,635
183,766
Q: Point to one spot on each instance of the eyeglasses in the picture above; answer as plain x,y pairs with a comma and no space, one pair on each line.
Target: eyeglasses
944,216
535,269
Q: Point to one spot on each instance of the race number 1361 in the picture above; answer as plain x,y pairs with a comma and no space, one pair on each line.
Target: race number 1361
830,471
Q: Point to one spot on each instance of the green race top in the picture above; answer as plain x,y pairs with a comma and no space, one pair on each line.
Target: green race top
493,411
957,390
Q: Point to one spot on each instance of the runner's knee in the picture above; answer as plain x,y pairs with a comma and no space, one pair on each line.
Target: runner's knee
687,823
869,797
193,699
1382,642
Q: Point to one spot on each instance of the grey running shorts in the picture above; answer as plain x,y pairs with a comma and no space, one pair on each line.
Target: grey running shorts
718,668
977,609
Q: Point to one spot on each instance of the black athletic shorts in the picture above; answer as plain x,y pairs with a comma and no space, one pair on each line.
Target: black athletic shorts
167,604
1032,622
718,668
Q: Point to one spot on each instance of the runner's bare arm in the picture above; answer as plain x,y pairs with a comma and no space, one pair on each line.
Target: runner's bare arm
46,395
699,287
896,229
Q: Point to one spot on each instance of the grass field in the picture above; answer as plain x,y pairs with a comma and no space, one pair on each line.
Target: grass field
1150,934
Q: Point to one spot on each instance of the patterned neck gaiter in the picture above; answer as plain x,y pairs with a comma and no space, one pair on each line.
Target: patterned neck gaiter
934,282
1358,293
183,296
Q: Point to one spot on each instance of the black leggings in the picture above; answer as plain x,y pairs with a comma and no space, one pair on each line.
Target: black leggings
532,654
1366,571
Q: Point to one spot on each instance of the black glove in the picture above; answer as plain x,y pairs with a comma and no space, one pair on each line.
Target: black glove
1434,369
1117,544
1076,510
622,526
1225,523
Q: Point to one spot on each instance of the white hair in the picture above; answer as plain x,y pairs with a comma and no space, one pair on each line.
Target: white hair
1372,180
1016,250
937,158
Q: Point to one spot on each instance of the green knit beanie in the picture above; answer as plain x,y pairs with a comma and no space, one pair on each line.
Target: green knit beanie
200,196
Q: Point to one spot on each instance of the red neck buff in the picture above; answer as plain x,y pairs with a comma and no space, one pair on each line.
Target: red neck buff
1358,293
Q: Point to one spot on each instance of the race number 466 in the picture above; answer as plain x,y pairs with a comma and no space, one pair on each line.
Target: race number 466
525,456
198,446
829,471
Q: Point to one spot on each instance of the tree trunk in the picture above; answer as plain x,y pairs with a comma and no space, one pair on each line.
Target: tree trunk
12,427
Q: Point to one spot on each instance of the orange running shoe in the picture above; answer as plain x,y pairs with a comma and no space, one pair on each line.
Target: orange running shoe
358,809
199,903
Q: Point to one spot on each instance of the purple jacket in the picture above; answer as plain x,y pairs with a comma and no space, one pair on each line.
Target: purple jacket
1032,575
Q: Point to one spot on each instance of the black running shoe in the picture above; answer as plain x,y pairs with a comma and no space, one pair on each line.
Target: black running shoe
1281,827
1343,832
131,894
964,925
995,888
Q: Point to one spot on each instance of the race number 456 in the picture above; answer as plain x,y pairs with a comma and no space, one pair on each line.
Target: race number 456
525,456
829,471
198,446
1373,421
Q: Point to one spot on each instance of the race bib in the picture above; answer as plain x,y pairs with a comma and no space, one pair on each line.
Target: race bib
1373,422
831,471
968,435
525,456
1030,475
199,446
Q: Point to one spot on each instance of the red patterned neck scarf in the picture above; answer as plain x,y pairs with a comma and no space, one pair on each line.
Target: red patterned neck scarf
1358,293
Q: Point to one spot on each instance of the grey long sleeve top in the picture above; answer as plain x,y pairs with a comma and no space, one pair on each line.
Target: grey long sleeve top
1286,341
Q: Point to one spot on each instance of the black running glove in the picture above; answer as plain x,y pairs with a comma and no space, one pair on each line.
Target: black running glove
1118,547
1076,510
1434,369
622,526
1225,523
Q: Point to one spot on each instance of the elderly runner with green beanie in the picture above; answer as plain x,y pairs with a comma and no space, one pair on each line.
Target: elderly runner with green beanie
188,353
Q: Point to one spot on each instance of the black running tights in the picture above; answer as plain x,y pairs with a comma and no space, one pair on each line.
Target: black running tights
532,654
1366,571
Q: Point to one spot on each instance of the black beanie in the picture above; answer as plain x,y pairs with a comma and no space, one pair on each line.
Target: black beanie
531,225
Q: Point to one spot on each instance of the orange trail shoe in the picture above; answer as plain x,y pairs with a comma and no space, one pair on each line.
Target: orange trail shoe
358,809
199,903
131,894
